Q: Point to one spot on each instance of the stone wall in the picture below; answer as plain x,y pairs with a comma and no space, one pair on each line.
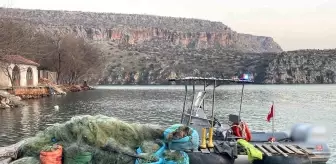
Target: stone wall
31,92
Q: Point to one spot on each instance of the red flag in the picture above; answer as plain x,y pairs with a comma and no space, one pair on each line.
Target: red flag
270,114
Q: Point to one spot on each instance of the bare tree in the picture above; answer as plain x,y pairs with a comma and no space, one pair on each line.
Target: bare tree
13,39
19,38
7,71
71,57
78,58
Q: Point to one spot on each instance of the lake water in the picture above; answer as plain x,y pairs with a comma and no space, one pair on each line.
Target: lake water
163,105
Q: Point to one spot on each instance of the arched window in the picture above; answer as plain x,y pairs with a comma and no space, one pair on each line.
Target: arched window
29,76
16,76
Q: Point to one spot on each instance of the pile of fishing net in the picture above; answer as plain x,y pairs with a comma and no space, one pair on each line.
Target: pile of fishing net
161,154
26,160
99,139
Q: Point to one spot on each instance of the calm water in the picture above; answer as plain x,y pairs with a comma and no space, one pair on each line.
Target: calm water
162,105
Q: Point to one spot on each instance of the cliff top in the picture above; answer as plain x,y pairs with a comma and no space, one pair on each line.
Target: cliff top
109,20
310,52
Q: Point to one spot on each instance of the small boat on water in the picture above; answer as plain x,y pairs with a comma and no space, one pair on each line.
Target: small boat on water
223,143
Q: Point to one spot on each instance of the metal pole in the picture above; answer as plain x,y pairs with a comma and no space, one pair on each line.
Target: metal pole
185,99
204,91
213,104
241,102
192,103
273,119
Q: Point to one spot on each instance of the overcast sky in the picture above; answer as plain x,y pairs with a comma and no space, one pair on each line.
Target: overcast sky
294,24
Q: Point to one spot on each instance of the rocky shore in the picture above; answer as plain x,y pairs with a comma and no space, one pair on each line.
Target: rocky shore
8,100
63,88
75,88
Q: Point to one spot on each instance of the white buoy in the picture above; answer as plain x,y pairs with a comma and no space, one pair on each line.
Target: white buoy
56,107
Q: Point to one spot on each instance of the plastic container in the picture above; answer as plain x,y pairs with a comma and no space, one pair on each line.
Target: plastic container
185,143
54,157
185,159
80,158
158,154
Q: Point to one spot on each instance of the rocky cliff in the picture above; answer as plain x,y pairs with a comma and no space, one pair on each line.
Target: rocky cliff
136,29
147,64
142,49
151,65
303,67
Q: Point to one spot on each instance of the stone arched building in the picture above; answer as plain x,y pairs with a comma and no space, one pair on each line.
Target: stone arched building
18,70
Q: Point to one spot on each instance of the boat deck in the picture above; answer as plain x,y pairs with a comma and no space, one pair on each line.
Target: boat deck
285,150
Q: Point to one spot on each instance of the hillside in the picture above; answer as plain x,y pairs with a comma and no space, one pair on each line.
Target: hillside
153,65
145,49
303,67
136,29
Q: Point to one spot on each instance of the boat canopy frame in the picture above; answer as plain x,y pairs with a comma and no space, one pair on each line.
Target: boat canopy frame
215,82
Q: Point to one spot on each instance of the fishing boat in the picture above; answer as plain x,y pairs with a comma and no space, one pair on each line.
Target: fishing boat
221,142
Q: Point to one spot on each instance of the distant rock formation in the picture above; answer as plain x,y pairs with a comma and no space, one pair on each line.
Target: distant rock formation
303,67
144,49
136,29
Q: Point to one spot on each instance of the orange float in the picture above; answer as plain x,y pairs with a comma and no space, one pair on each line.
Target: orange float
242,130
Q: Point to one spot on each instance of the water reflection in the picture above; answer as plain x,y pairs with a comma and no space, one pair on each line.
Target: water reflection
25,120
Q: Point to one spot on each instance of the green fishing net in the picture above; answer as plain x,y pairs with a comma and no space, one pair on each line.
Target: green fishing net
26,160
87,136
176,156
150,147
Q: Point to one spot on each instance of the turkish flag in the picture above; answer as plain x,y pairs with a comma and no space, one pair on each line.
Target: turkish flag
270,114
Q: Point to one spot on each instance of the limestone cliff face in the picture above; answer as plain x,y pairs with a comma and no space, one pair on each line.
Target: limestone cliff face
226,39
142,49
305,67
136,29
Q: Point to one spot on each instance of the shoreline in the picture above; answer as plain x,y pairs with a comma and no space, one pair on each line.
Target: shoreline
14,97
221,84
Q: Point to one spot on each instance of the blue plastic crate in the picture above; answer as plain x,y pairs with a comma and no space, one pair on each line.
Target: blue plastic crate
185,160
158,153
